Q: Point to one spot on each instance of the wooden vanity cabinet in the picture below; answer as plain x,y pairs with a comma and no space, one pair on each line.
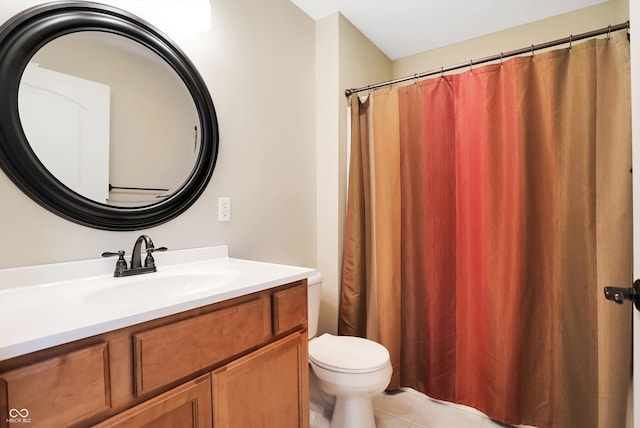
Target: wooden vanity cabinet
237,363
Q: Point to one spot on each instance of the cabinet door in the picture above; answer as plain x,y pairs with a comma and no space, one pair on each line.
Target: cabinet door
267,388
59,391
186,406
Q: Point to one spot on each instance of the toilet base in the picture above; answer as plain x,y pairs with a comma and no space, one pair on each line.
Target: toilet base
355,411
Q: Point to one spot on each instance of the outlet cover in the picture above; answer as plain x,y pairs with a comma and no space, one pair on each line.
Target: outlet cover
224,209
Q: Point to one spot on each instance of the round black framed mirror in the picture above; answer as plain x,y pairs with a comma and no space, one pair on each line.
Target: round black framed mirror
21,38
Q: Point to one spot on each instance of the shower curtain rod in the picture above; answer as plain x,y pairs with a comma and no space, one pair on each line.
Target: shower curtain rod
501,56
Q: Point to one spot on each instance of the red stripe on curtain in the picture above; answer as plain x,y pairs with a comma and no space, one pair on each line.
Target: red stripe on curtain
440,236
472,242
489,240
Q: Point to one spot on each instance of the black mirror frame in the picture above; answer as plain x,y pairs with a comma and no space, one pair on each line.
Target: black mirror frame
20,39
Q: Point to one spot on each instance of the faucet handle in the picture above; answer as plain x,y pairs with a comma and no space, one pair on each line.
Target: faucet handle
149,260
111,254
121,264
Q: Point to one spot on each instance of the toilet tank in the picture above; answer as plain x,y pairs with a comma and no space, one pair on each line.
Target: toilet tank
313,302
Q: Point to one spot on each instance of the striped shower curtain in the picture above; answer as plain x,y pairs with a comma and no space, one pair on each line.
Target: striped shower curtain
487,210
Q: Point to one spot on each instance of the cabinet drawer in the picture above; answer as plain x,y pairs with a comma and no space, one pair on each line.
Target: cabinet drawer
60,391
169,353
289,308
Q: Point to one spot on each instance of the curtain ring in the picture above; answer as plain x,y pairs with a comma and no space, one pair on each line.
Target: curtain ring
532,49
570,41
415,79
501,57
470,65
609,32
442,71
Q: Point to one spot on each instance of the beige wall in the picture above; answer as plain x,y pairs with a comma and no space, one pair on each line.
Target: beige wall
345,59
599,16
258,62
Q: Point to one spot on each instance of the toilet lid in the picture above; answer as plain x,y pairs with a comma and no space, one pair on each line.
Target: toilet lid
347,354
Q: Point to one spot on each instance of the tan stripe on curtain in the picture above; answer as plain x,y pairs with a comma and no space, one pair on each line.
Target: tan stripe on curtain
587,353
370,299
540,305
572,76
387,200
614,250
353,300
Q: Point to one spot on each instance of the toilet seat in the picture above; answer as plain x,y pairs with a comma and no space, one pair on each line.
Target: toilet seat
348,354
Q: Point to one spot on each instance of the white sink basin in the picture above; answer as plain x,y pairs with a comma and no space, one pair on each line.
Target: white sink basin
161,285
59,303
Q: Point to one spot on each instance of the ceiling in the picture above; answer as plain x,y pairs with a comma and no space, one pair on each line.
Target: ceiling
401,28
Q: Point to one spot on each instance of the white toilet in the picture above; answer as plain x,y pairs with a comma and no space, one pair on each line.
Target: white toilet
352,369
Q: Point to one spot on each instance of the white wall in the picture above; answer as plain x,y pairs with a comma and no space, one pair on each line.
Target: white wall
258,61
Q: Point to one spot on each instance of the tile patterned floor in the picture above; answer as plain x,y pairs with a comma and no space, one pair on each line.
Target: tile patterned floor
411,409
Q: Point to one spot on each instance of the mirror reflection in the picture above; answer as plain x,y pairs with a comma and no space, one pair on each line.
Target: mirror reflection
109,118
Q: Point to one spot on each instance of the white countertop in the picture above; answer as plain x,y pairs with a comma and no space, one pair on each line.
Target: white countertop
48,305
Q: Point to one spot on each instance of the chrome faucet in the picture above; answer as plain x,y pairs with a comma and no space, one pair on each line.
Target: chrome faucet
135,267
